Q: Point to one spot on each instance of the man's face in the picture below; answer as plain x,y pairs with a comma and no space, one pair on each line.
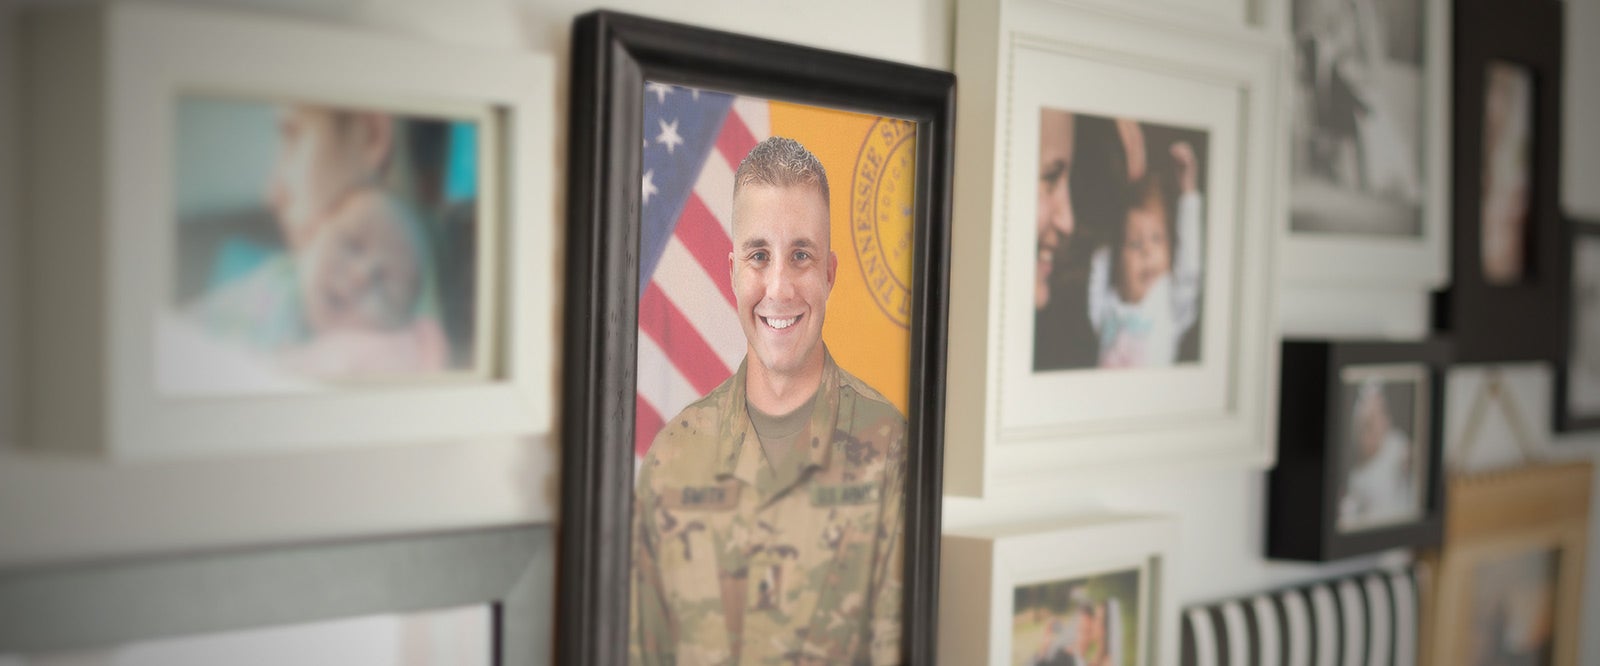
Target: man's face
362,272
783,270
1055,221
322,156
1146,250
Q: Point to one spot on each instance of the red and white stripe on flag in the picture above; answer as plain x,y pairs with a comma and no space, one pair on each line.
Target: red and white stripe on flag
689,335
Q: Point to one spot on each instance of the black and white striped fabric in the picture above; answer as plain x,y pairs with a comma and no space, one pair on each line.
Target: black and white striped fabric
1370,619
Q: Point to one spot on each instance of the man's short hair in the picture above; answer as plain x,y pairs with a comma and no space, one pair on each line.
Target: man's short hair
781,162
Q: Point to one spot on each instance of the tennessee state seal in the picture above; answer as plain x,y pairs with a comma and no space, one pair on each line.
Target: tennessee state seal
882,202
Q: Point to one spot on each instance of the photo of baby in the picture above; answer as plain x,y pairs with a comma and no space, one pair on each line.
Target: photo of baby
1514,610
1090,621
1120,243
1384,456
319,246
1507,172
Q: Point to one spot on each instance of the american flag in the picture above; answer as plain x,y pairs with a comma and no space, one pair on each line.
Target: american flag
689,335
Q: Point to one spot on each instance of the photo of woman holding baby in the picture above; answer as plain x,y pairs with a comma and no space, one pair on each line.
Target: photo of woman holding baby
319,246
1121,243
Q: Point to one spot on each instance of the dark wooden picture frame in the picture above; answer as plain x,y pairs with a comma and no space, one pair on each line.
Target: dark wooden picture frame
1577,231
103,604
613,56
1521,321
1303,491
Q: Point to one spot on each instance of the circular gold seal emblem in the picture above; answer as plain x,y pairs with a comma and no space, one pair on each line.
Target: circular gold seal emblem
882,202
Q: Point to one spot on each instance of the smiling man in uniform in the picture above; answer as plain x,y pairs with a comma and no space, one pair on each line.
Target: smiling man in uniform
768,515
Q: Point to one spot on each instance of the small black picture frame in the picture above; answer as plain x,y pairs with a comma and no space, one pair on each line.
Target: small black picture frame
1582,299
1322,503
50,608
1505,299
614,56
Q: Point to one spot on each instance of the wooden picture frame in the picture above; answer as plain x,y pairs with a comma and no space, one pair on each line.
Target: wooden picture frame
1035,266
125,364
623,67
1521,533
1576,376
104,604
990,571
1360,449
1504,302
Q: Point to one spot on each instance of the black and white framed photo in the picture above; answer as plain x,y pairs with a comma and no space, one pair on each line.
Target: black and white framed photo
1086,591
757,273
1577,399
1359,448
1504,302
1369,148
313,238
463,598
1117,308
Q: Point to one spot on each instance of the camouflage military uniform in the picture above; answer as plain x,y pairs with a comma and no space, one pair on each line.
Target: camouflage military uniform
736,561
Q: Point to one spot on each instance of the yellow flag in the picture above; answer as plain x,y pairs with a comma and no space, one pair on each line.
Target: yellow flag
871,165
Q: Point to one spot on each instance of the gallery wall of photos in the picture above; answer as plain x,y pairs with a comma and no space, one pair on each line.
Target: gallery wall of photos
1022,332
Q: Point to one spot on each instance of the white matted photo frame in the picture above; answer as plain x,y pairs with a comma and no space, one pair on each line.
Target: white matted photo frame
1084,590
313,237
1369,144
1114,253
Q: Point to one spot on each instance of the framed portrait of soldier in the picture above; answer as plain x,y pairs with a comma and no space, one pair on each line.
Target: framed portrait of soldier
1577,399
287,257
757,275
1116,313
1368,151
1092,590
1359,446
1508,278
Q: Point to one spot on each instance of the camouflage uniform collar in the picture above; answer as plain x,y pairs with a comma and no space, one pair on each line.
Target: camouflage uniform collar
738,448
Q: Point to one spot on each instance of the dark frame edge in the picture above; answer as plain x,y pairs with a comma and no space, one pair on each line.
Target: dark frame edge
1566,422
591,492
923,532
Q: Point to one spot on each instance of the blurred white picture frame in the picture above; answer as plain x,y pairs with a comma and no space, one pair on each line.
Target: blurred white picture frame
101,87
1008,423
983,567
1374,284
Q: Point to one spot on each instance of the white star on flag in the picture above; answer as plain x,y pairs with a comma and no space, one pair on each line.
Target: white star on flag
649,187
669,135
660,89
